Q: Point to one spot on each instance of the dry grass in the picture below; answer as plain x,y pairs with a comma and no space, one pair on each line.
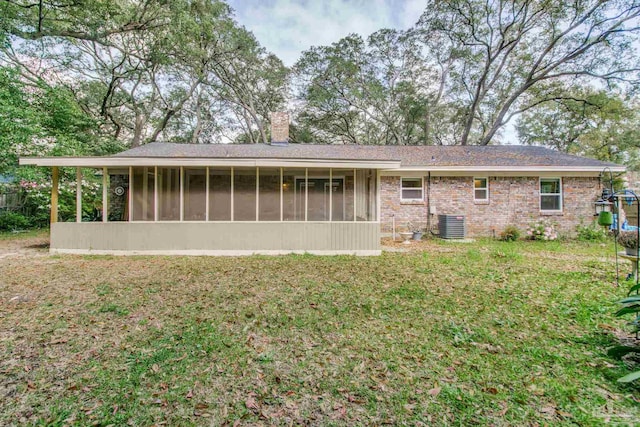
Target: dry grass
483,333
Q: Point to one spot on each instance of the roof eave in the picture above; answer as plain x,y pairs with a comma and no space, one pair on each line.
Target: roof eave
595,169
115,161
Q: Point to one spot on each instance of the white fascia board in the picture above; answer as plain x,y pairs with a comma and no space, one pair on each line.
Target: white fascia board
501,170
99,162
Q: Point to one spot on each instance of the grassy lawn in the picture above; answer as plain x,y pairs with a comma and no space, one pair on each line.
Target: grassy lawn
482,333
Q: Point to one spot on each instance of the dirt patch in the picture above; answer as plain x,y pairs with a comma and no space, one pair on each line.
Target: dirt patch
25,246
425,245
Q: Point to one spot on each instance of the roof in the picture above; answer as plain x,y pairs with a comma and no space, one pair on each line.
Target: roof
450,158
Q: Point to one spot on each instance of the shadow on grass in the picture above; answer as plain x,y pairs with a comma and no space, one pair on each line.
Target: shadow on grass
44,245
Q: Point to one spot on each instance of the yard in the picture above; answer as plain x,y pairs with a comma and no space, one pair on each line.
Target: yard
449,333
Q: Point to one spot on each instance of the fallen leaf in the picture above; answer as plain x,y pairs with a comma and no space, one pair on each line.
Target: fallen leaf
251,402
189,394
549,411
504,410
354,399
201,406
565,414
339,412
491,390
155,367
434,391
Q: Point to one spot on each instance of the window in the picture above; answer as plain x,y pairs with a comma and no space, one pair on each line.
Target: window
550,194
480,189
411,188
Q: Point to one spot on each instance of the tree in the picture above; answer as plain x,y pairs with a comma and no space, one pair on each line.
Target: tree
375,92
503,49
92,20
586,122
147,70
252,83
43,120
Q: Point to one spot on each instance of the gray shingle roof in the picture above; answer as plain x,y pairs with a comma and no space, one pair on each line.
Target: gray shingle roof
426,155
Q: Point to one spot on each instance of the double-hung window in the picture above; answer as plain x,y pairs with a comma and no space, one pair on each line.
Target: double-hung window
481,189
411,189
551,194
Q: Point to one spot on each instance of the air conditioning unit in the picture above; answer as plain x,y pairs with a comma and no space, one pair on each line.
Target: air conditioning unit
452,226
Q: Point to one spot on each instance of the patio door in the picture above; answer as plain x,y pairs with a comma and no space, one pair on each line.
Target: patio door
318,203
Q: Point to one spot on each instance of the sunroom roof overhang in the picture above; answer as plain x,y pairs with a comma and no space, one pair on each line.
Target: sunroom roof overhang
114,161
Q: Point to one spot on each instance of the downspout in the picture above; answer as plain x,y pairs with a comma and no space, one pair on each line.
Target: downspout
428,202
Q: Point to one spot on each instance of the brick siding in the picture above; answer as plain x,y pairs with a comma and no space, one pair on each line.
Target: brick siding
280,127
512,201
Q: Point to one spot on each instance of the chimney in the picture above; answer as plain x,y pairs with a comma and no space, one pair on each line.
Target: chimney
280,128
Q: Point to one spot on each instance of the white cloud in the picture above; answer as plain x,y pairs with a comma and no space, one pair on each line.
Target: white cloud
288,27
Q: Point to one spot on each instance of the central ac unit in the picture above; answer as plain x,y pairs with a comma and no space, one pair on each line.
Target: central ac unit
451,226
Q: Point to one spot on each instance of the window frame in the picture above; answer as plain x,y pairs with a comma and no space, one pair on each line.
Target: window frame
559,194
421,188
485,188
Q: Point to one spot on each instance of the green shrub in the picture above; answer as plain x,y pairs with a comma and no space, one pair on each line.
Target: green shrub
629,306
10,221
592,232
510,234
628,239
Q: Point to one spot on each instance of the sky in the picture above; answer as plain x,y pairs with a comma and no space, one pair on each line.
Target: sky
289,27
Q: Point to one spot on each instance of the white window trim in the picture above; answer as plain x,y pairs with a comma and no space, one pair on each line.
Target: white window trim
486,178
550,194
421,199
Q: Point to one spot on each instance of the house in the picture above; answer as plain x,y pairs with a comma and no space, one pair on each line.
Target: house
235,199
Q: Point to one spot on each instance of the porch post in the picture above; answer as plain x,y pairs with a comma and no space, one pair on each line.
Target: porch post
355,196
282,196
155,193
330,194
78,194
54,195
257,194
377,195
105,199
306,193
181,193
145,193
232,194
130,195
206,194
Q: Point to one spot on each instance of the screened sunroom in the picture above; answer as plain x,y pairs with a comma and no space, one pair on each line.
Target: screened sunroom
231,200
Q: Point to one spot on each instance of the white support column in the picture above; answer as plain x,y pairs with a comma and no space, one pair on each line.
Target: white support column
377,193
105,198
355,198
257,193
145,193
330,194
206,194
78,195
232,193
181,193
155,194
306,194
55,175
281,196
130,193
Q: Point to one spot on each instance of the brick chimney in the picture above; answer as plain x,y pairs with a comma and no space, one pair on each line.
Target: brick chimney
280,128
